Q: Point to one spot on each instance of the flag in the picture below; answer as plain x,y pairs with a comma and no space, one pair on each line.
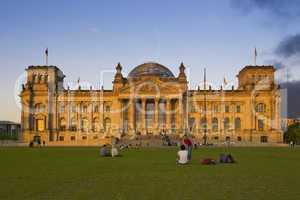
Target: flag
46,52
78,80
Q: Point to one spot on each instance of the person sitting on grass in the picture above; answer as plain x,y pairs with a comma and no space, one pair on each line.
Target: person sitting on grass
114,151
182,156
104,151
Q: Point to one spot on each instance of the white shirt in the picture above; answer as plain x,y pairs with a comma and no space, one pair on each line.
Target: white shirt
183,156
114,152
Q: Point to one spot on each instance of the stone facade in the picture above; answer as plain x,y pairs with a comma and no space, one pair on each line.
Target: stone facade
150,101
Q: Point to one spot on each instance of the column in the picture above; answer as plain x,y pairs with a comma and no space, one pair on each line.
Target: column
131,121
91,120
143,115
101,112
156,114
168,115
79,116
178,116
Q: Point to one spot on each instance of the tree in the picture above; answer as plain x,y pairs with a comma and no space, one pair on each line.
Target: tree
293,133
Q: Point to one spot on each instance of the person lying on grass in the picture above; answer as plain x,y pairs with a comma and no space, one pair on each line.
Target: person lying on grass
104,151
182,156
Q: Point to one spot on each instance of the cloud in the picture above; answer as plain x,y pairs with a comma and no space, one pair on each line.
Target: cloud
276,63
280,8
289,46
293,98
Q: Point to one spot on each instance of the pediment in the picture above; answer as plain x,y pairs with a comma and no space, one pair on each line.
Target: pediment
151,87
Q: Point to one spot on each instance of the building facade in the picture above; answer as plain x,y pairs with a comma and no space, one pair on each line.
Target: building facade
150,101
9,130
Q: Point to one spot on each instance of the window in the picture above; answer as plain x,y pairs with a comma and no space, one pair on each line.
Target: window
191,124
227,138
215,108
84,125
238,108
107,108
260,124
73,124
239,139
73,137
107,124
96,127
39,108
40,125
84,109
226,123
61,108
84,137
216,138
61,138
237,123
203,123
261,108
226,108
264,139
95,137
96,109
73,108
215,124
62,124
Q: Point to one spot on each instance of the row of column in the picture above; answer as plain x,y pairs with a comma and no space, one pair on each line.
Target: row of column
132,121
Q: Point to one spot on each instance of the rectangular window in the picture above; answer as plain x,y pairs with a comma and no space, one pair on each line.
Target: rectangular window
73,138
62,109
226,108
61,138
73,108
260,125
263,139
215,108
238,108
40,125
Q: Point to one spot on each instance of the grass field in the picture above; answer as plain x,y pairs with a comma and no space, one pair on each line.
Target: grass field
79,173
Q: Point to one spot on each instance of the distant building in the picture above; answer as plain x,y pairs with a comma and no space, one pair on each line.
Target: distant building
9,130
150,101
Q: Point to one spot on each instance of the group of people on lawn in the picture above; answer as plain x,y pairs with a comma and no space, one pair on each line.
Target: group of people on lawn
183,156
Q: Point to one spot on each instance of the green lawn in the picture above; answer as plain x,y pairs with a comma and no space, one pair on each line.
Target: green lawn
79,173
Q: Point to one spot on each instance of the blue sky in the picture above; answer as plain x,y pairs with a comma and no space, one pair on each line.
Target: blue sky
87,37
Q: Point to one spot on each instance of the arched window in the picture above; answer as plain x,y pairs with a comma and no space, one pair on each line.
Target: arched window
214,124
96,127
73,124
39,108
237,123
261,108
62,124
226,123
203,123
84,125
107,124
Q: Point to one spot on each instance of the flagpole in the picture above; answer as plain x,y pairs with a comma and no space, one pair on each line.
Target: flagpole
46,54
205,109
255,55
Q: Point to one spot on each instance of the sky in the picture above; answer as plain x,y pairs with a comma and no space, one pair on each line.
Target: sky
87,38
